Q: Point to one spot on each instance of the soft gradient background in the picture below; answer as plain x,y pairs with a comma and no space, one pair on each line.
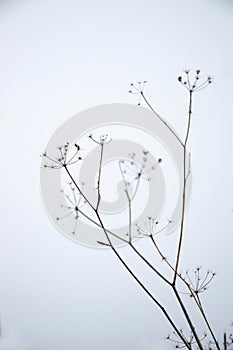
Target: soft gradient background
58,58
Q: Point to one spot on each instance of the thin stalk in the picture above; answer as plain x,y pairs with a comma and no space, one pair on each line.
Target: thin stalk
225,341
133,247
162,120
151,266
184,188
78,188
188,318
160,253
130,215
198,302
97,224
99,175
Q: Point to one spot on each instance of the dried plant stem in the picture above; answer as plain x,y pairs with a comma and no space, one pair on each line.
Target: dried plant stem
99,175
162,120
151,266
206,320
78,188
187,318
133,247
130,215
225,341
184,188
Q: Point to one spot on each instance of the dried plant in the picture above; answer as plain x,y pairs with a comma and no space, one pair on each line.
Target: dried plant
133,172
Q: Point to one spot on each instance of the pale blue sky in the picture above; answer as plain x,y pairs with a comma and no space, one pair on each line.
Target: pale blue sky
58,58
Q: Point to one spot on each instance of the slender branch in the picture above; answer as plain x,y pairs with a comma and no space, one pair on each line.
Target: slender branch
97,224
149,264
189,117
188,318
225,341
125,182
130,215
98,182
162,120
77,186
184,188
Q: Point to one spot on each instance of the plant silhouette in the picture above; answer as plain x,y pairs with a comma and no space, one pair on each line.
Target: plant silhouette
187,287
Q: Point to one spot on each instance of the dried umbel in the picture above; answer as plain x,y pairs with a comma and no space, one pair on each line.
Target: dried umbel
195,82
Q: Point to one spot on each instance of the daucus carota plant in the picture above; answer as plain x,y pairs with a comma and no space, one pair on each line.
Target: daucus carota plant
140,167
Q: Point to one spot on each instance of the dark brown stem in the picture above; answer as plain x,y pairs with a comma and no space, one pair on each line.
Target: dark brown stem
225,341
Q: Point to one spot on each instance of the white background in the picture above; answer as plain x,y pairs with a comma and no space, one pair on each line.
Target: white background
58,58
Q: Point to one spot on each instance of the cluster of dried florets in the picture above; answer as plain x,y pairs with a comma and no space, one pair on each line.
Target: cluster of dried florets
196,83
151,227
190,340
63,159
74,204
200,282
137,89
137,167
103,139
